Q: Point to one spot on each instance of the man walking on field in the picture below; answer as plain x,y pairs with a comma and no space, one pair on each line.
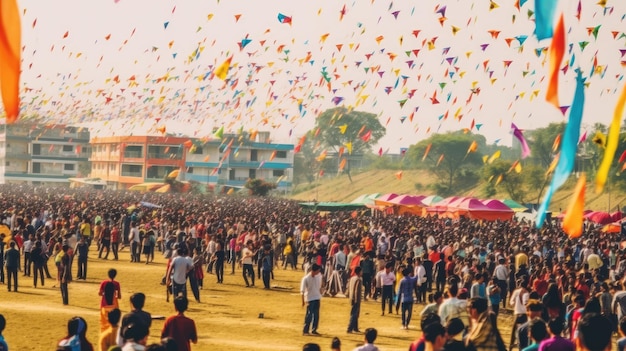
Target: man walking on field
310,288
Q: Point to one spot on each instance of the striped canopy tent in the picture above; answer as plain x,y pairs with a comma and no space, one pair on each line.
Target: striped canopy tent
476,209
408,204
431,200
599,217
615,227
440,207
365,199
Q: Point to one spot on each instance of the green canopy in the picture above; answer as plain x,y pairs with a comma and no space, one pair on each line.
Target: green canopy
365,199
515,206
330,206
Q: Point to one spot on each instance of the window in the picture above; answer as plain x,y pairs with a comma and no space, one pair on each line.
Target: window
281,154
68,148
68,167
197,150
190,170
278,172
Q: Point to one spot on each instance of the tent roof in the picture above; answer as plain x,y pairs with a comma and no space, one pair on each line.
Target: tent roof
408,200
330,206
365,199
496,205
514,205
387,197
431,199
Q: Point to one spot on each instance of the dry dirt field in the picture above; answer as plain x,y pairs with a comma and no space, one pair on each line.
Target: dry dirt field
226,319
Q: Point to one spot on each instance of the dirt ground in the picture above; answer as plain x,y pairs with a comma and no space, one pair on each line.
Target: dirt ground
227,317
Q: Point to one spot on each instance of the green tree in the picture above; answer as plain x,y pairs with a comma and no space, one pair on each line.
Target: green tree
449,160
541,143
512,182
354,125
259,187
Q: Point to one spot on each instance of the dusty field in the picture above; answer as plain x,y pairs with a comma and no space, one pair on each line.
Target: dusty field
226,319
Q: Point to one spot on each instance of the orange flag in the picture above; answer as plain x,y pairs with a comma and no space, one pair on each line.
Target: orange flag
426,151
10,51
557,48
342,164
439,160
399,175
573,221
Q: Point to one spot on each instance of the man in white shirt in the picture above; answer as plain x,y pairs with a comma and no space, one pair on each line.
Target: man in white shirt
311,291
386,278
177,273
135,243
420,275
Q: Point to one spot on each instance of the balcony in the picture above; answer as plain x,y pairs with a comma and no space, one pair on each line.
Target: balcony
133,154
165,156
132,174
18,155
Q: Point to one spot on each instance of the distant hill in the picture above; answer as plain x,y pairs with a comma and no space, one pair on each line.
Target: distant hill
340,189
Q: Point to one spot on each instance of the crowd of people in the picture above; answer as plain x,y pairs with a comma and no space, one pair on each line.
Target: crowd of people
463,273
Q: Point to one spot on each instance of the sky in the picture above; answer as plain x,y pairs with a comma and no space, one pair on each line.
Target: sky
144,66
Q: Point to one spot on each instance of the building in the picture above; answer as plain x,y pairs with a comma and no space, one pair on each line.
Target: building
41,154
124,161
234,159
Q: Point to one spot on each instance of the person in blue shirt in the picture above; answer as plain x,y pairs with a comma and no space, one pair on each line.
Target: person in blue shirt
3,343
405,295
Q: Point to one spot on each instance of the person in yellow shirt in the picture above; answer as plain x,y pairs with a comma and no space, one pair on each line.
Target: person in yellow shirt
306,233
107,337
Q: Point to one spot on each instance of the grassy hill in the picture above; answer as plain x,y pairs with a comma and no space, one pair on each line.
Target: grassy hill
340,189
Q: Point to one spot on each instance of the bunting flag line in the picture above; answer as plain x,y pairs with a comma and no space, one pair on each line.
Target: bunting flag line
611,143
569,145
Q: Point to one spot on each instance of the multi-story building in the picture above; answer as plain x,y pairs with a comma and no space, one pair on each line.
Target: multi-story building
41,154
232,160
124,161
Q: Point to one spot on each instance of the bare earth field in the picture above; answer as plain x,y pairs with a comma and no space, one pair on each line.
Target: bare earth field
226,319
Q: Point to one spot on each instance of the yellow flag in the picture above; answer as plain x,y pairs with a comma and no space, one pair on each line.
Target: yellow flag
222,71
473,147
500,177
612,142
343,128
573,220
553,165
518,168
349,147
485,158
322,156
494,157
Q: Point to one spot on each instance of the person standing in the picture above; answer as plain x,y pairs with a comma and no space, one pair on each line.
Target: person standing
115,242
12,263
246,260
137,316
265,261
82,251
219,261
105,241
177,273
311,291
405,292
179,327
135,242
387,277
66,274
355,290
367,270
38,260
27,248
111,293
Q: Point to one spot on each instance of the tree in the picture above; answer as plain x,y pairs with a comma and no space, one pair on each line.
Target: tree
259,187
306,161
511,181
541,142
449,159
340,126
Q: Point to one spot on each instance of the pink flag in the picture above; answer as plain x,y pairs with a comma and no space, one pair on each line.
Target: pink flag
518,134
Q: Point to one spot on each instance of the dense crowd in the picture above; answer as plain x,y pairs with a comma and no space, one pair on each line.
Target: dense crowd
463,272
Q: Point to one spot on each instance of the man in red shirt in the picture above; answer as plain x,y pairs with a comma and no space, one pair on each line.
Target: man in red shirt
179,327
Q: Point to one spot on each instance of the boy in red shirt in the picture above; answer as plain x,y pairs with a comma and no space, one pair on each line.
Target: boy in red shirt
179,327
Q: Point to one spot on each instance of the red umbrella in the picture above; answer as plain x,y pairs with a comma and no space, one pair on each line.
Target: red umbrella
599,217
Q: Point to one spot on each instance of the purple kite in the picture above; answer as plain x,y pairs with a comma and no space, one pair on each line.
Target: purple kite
518,134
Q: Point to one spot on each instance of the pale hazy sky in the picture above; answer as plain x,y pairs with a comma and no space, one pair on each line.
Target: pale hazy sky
153,61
